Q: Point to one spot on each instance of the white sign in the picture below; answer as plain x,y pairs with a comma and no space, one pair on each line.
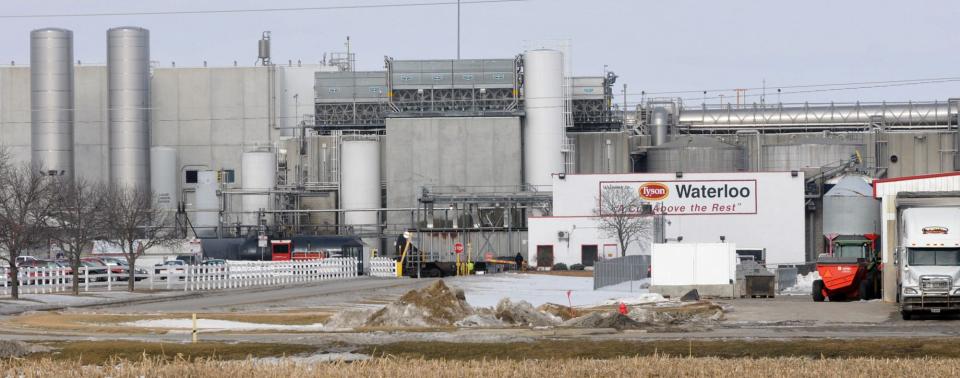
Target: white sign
679,197
262,241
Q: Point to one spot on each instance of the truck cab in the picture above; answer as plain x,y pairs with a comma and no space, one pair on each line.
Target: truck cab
929,260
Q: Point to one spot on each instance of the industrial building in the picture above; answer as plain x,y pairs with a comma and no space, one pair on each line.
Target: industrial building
474,151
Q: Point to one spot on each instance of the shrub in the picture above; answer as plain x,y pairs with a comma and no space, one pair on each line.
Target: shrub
559,266
576,267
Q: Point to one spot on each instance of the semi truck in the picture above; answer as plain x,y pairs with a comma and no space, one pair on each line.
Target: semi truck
928,255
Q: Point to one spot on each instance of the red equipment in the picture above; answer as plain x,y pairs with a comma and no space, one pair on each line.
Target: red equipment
848,271
283,251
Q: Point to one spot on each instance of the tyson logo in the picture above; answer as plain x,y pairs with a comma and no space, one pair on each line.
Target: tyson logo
653,191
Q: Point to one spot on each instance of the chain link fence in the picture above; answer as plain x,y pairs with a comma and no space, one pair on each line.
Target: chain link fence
622,269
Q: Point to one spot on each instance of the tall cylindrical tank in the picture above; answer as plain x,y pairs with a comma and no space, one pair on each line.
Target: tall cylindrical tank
206,205
803,153
849,208
163,176
258,173
659,131
51,100
128,80
544,129
695,154
360,182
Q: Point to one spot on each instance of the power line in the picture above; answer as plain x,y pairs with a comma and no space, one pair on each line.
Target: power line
261,10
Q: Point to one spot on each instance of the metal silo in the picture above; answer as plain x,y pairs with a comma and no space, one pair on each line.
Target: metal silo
660,126
258,174
812,152
128,80
695,154
849,208
360,182
163,176
51,100
206,205
544,129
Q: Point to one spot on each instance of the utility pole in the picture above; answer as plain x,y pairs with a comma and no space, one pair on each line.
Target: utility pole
458,29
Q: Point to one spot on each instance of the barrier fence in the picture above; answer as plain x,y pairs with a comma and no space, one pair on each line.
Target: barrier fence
383,267
621,269
233,274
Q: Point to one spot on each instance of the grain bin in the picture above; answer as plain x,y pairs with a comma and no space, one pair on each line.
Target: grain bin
849,208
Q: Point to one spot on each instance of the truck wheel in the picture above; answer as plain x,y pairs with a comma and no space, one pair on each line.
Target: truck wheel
906,315
818,291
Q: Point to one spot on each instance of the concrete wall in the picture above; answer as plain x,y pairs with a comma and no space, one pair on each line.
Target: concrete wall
211,115
15,111
90,134
602,152
468,152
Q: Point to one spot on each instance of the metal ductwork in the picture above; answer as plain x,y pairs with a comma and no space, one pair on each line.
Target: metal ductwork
51,101
901,114
128,79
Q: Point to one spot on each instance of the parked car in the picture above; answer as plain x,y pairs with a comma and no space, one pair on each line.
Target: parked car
214,262
22,259
170,267
120,271
94,268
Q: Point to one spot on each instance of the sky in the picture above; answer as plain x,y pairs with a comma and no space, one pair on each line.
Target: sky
654,46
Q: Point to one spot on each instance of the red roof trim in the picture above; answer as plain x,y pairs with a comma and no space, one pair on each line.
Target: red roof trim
910,178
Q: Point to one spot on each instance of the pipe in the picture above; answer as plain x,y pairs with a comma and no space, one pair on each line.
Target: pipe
898,114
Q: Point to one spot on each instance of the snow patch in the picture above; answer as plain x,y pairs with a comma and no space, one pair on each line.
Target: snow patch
804,285
219,325
539,289
646,298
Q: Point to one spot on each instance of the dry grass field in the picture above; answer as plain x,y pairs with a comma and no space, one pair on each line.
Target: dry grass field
663,366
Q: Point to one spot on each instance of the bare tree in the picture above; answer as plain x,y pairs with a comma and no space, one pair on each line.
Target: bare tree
624,216
135,224
79,221
25,210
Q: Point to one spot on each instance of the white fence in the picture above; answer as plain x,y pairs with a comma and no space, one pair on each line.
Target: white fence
233,274
383,267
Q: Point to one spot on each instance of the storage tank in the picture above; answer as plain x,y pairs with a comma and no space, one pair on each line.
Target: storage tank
850,209
360,182
695,154
660,126
163,176
811,152
206,205
51,100
544,129
258,173
128,105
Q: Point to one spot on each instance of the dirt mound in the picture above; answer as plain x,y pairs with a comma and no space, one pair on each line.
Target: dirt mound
348,319
10,348
480,321
697,312
523,314
613,319
563,312
433,306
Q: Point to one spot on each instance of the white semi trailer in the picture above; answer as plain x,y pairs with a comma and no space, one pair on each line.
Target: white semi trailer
928,256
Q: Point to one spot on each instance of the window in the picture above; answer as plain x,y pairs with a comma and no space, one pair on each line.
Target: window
190,176
851,250
934,256
227,176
